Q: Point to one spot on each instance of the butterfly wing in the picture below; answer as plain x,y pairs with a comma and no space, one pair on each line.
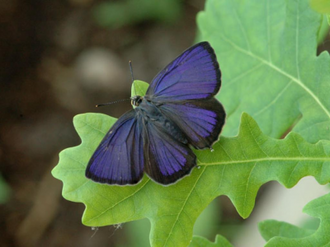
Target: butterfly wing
200,120
166,159
119,157
193,75
184,93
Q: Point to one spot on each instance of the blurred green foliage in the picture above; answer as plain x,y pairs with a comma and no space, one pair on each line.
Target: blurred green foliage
279,233
220,241
118,14
323,7
4,191
323,30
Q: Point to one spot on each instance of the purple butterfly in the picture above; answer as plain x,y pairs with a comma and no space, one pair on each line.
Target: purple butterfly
178,111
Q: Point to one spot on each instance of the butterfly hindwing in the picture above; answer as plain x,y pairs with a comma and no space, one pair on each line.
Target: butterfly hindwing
166,158
193,75
200,120
119,157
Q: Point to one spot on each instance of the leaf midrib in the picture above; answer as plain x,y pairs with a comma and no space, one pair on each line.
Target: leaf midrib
323,159
116,204
273,66
183,206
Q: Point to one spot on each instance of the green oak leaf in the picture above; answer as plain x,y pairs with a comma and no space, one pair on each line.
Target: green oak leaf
237,168
139,88
284,234
120,13
220,241
267,54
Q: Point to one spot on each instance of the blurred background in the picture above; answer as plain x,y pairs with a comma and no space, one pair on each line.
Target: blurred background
59,58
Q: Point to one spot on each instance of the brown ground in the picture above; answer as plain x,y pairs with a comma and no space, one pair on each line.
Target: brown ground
57,62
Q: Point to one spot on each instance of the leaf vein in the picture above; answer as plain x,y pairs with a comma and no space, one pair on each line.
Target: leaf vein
323,159
183,206
276,68
120,201
274,100
247,185
242,29
241,75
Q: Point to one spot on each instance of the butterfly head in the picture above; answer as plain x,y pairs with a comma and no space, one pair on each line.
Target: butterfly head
136,100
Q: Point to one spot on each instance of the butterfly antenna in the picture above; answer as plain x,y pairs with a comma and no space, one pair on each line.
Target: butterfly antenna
113,102
131,70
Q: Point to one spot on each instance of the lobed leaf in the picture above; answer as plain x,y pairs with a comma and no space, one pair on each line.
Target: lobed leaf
267,54
237,168
139,88
284,234
273,228
220,241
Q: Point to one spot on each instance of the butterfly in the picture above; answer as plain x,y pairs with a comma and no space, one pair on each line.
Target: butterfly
178,112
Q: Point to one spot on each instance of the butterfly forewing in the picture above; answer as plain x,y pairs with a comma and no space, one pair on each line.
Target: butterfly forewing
119,157
193,75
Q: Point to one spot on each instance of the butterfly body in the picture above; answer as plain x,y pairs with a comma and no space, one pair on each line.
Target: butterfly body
151,113
177,113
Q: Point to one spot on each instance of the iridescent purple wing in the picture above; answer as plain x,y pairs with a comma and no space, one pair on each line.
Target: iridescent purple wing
166,159
184,92
193,75
200,120
119,157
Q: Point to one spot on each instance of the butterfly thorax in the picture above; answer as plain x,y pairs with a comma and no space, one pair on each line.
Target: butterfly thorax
151,113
